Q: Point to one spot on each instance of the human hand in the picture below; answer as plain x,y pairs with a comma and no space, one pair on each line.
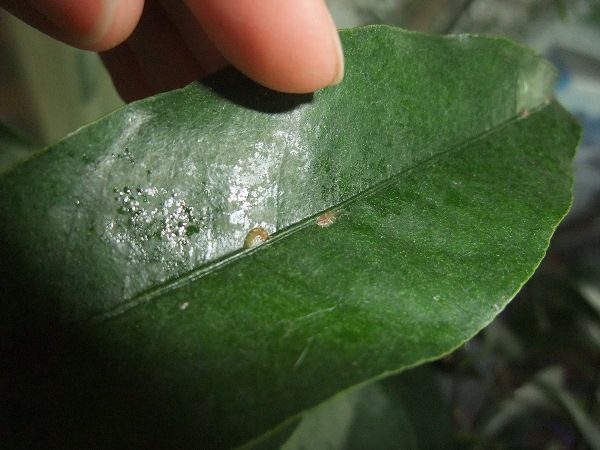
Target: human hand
156,45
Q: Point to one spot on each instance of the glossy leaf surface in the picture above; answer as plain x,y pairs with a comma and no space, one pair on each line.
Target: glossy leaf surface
446,163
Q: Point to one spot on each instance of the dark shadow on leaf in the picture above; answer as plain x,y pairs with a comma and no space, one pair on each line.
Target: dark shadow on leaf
62,390
237,88
60,387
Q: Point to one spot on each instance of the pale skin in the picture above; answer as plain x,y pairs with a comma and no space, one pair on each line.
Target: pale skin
150,46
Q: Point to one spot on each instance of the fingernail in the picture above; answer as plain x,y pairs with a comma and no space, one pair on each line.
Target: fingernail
339,74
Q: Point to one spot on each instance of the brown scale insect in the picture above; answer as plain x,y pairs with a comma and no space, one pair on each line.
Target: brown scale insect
326,219
256,236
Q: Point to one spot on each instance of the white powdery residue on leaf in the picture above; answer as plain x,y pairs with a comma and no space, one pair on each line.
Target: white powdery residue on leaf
252,196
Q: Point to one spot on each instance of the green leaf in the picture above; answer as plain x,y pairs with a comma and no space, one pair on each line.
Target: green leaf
445,160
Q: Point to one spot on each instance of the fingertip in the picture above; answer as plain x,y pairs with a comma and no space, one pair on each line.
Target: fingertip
285,45
120,19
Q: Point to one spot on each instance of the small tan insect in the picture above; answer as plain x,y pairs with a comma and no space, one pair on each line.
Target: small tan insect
326,219
256,236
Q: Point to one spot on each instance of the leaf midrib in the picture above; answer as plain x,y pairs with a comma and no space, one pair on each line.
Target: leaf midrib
214,266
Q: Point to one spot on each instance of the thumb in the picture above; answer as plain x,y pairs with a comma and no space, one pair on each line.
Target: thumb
287,45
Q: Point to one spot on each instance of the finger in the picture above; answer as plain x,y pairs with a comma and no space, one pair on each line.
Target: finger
126,73
287,45
194,36
162,55
167,50
88,24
